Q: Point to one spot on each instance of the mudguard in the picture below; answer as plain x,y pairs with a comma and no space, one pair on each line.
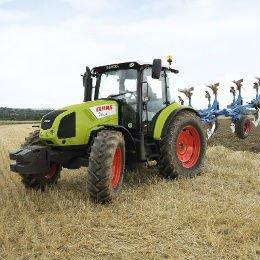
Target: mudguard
129,141
165,116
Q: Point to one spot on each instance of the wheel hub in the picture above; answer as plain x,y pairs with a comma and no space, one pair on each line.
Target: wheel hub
117,167
188,146
51,172
247,127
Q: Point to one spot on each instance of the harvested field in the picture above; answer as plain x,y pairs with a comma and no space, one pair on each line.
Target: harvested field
213,216
7,122
226,138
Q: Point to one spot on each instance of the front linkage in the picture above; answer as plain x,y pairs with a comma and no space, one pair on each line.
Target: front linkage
39,165
38,159
31,160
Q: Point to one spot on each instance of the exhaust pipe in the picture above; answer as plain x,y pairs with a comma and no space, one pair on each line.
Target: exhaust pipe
87,84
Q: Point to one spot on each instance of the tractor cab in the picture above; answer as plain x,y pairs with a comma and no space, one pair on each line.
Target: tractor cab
141,90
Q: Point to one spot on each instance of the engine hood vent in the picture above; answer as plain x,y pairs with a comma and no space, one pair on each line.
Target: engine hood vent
48,119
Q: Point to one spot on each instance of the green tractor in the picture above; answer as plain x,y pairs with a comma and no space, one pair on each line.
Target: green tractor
127,118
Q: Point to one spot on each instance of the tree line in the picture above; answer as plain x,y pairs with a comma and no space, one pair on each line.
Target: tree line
22,114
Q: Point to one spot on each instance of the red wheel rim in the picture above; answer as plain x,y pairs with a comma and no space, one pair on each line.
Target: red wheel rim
247,127
117,167
51,172
188,146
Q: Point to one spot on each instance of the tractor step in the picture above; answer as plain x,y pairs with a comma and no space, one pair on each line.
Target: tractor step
152,150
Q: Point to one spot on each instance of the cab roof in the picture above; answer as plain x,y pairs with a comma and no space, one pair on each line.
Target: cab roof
123,66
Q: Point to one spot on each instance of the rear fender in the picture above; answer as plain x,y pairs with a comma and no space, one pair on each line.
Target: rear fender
166,116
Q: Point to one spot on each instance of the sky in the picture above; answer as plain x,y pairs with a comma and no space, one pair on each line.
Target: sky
46,44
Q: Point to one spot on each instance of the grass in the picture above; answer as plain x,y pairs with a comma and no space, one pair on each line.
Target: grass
213,216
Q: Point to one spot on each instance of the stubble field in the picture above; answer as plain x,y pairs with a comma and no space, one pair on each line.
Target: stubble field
213,216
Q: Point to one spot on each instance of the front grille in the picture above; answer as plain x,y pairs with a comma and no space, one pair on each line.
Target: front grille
48,119
67,127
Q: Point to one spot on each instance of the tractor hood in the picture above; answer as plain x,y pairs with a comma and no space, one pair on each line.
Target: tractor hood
73,125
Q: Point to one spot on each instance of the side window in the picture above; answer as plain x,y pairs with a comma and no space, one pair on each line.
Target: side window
154,86
154,92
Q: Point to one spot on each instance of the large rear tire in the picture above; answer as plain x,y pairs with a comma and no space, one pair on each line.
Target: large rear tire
243,127
106,166
48,179
183,147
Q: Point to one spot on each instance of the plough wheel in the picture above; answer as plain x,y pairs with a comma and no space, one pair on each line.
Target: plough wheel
243,127
183,147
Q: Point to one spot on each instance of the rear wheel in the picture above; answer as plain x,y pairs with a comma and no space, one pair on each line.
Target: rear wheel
36,181
243,127
183,147
106,166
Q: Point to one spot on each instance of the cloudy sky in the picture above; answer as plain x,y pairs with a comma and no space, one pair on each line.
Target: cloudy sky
46,44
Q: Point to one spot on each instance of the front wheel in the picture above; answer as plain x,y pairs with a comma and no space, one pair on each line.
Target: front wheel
106,166
183,147
40,182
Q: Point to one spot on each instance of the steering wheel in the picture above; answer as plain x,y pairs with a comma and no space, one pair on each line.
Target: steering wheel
133,95
132,98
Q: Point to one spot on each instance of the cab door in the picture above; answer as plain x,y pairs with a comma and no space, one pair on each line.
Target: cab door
154,96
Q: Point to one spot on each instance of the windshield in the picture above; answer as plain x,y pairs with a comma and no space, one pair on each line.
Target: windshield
117,83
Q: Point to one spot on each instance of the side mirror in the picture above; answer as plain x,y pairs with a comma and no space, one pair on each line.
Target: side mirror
157,68
87,83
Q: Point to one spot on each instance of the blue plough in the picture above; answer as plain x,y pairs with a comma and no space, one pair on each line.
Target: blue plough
242,115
